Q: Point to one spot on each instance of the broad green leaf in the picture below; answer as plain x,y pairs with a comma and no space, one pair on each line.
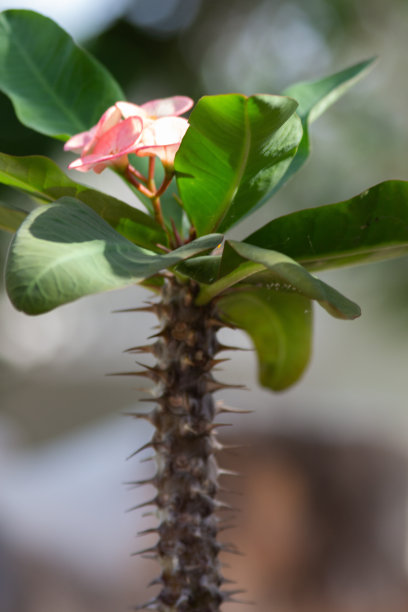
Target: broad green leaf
265,268
280,326
204,269
234,153
41,178
56,87
11,218
314,98
369,227
65,251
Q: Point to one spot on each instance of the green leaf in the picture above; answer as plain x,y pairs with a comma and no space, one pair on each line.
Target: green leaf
203,269
42,179
65,251
11,218
372,226
234,153
280,326
55,86
314,98
244,263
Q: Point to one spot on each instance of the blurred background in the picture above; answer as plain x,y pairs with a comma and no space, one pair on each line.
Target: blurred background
324,525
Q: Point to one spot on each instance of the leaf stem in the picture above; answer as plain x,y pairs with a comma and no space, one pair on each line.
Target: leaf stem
134,179
137,174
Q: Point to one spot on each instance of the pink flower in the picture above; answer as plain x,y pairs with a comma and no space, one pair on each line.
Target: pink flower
163,107
162,138
112,148
128,128
84,141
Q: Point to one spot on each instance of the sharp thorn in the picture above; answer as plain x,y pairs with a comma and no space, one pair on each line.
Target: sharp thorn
148,605
152,549
139,415
224,347
153,372
212,322
151,308
222,472
219,446
215,362
147,459
231,551
214,385
224,506
151,502
158,335
142,448
147,531
128,374
143,348
239,601
233,592
140,483
221,408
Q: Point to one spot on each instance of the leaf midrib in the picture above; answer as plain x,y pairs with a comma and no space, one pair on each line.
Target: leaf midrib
46,86
93,247
349,254
232,191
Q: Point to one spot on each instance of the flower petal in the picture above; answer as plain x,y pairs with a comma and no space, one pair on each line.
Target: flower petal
127,109
168,107
164,131
110,118
77,142
112,148
166,153
162,138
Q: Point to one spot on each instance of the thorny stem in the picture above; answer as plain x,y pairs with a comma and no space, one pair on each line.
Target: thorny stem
185,442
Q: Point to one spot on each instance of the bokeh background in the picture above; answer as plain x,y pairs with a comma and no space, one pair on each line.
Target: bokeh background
324,523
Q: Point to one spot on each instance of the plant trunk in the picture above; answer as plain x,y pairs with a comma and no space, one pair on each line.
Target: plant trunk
184,442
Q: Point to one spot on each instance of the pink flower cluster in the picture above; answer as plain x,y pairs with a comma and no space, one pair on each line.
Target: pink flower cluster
152,129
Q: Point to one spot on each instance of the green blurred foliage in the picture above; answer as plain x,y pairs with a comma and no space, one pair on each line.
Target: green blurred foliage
192,47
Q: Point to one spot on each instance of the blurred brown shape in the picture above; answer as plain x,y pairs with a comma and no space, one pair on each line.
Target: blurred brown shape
324,526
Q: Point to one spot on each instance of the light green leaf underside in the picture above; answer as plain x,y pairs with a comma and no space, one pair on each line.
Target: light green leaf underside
280,326
234,153
277,272
56,87
372,226
42,179
65,251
